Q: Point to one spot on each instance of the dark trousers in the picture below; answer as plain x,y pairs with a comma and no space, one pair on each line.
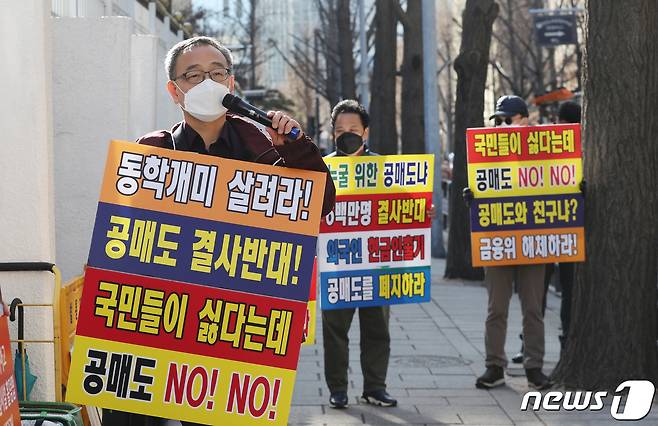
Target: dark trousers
120,418
566,274
375,347
566,282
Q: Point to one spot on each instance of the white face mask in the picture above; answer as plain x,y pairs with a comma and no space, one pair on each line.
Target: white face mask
204,101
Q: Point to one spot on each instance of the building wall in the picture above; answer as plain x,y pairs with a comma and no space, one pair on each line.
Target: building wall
109,83
26,175
78,80
89,113
167,113
143,84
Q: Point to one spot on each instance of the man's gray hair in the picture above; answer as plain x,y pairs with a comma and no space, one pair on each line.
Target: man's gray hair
185,45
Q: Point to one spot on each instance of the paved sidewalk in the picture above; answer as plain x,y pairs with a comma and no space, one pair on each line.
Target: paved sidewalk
436,354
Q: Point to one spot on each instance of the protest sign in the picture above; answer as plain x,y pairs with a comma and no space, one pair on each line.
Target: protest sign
374,248
528,207
197,285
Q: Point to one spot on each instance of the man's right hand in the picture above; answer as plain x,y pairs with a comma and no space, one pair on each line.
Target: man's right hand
467,194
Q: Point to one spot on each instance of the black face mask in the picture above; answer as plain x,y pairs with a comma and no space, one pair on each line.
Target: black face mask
349,143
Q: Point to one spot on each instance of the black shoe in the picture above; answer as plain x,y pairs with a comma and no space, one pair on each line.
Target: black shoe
338,399
537,379
518,358
380,397
493,377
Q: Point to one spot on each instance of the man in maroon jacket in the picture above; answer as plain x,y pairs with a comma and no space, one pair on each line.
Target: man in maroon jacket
199,71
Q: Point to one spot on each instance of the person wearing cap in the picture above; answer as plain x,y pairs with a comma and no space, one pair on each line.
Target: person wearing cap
510,111
499,280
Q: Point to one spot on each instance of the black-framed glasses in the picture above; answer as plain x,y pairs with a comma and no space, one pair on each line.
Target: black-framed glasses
195,76
499,121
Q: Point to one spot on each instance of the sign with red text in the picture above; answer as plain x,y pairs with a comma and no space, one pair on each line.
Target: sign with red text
196,291
374,247
528,207
9,413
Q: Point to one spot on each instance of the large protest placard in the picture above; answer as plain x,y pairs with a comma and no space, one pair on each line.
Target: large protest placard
374,248
528,207
9,413
196,290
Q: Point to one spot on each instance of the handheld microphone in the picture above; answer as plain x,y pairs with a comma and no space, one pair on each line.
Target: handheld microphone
238,105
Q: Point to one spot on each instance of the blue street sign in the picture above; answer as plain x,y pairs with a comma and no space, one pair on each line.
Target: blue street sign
554,30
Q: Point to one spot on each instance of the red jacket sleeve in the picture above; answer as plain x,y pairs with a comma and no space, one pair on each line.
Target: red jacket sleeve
159,139
304,154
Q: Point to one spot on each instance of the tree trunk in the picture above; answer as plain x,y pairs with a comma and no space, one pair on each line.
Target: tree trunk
412,128
612,337
334,84
346,50
253,36
471,67
514,51
539,85
450,105
383,131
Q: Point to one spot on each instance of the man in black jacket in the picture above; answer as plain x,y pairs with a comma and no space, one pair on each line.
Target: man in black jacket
350,122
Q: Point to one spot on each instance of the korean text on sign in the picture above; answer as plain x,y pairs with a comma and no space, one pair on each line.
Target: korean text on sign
236,257
194,300
376,288
382,174
380,223
193,319
528,207
212,188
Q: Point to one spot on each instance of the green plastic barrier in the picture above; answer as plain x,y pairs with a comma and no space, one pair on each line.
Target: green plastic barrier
56,412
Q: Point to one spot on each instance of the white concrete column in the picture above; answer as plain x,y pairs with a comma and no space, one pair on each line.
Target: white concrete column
167,113
82,8
152,18
73,8
26,173
107,7
91,96
143,85
166,30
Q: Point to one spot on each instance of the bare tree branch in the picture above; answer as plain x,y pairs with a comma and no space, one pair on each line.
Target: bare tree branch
402,16
302,73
